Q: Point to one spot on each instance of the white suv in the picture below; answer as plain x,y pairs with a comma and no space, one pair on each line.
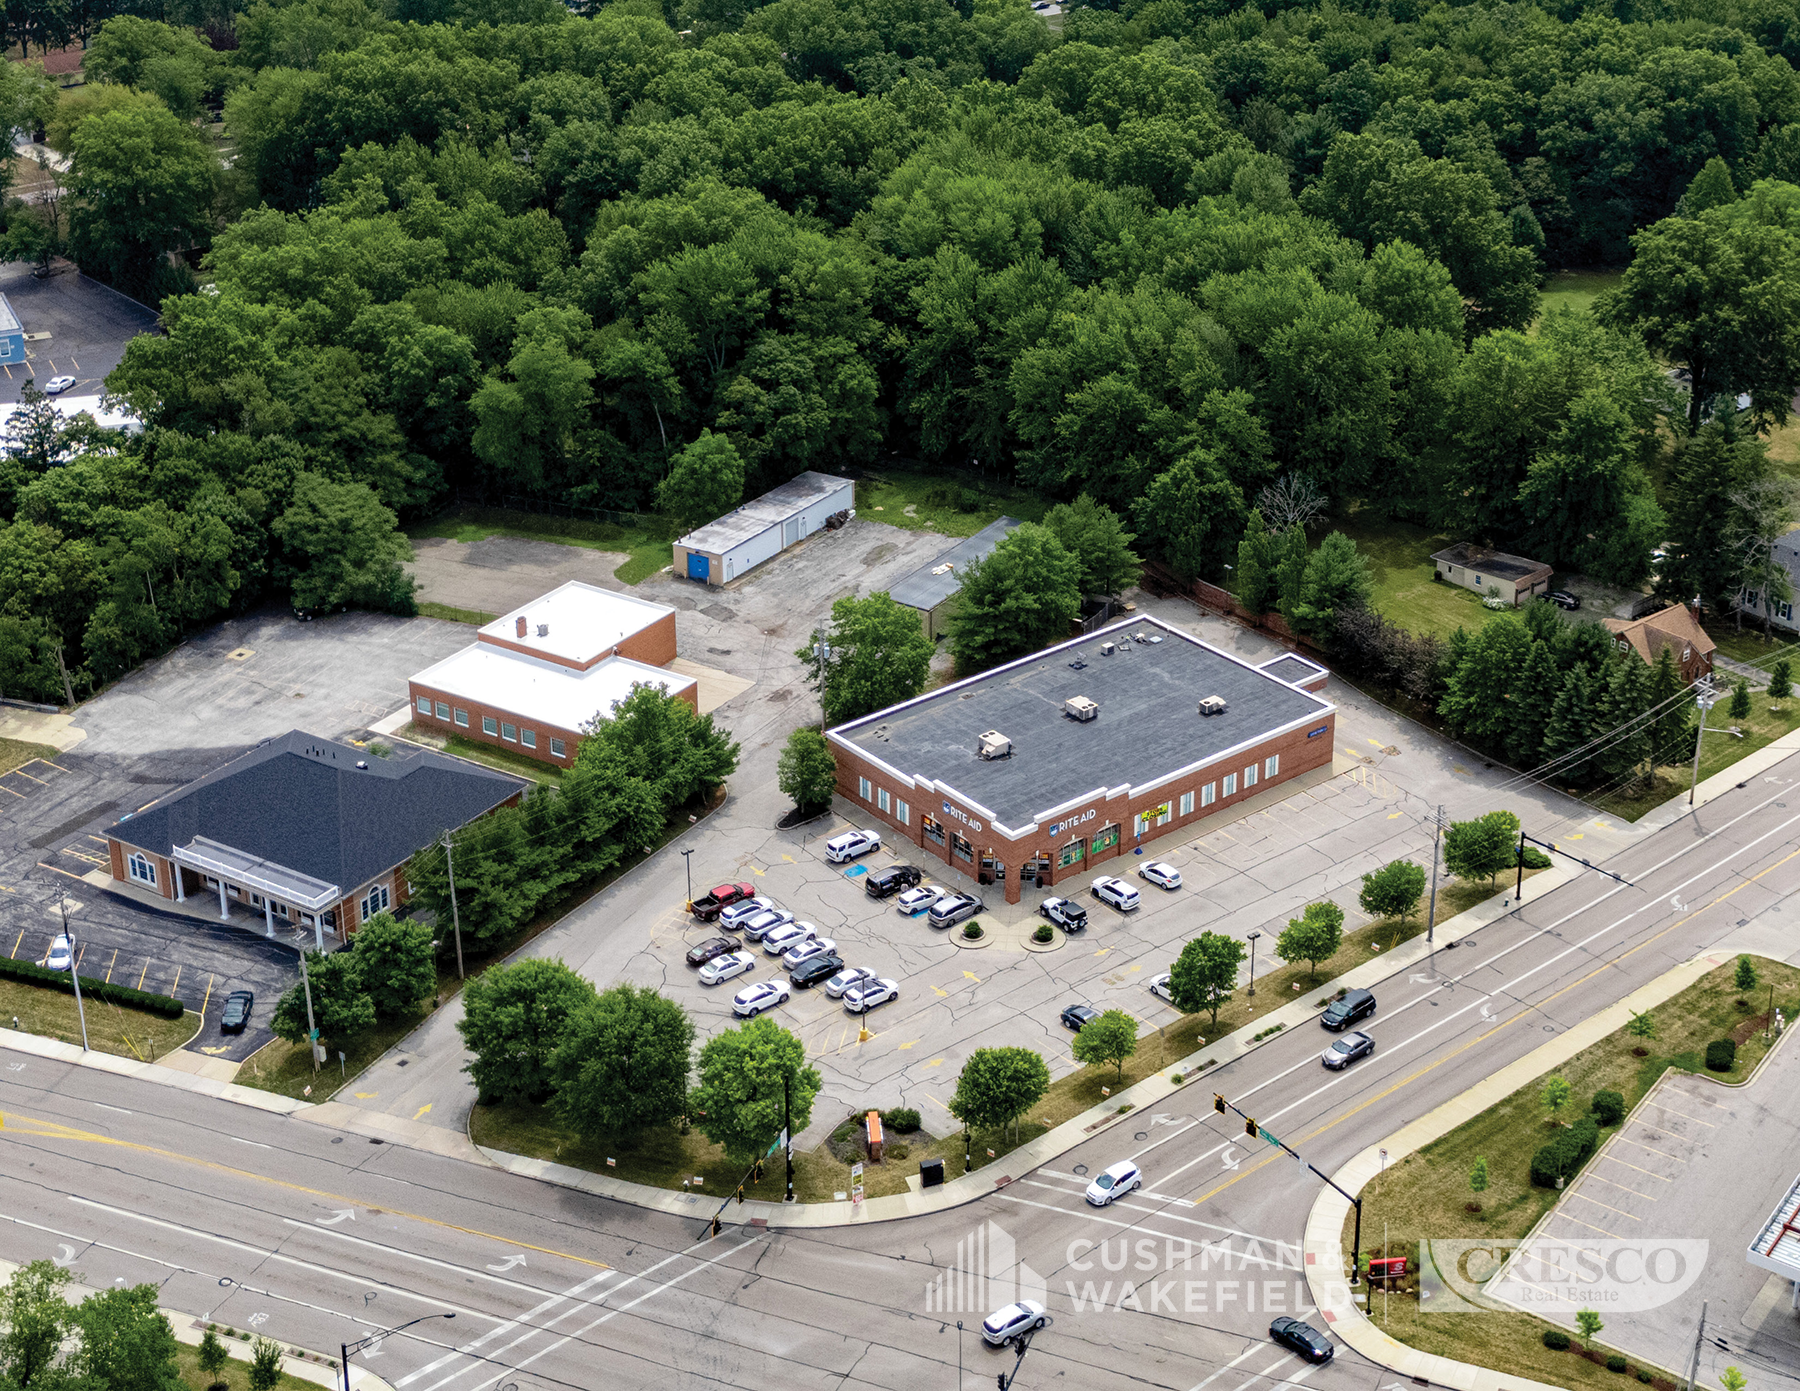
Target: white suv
850,845
1109,889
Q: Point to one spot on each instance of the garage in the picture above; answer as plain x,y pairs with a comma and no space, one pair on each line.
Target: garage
725,550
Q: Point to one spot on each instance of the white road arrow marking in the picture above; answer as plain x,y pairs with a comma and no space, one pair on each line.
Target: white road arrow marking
1226,1158
65,1254
15,1067
508,1263
1676,903
1484,1013
337,1217
1417,979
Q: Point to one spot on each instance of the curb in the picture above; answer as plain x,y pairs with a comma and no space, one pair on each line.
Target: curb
1324,1239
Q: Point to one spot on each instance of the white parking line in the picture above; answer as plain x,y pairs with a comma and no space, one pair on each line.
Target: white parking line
1243,1356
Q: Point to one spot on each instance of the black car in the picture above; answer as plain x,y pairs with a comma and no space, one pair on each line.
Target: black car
707,950
884,883
1077,1017
815,969
1341,1014
1070,917
1302,1338
236,1013
1563,599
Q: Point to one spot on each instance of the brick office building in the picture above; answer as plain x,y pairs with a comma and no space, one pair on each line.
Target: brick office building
533,678
1094,747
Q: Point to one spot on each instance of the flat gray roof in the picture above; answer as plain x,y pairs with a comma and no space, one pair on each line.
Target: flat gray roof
1292,667
759,514
1509,567
1148,728
9,321
926,588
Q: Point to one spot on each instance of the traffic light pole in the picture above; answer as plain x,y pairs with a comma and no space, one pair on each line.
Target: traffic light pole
1255,1131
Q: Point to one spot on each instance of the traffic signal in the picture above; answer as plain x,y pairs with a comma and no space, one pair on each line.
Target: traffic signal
740,1193
756,1172
717,1226
1249,1127
1218,1103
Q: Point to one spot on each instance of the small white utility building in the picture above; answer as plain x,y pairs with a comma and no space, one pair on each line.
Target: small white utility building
721,551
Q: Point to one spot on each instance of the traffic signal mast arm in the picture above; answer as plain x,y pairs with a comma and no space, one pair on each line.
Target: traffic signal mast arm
1252,1129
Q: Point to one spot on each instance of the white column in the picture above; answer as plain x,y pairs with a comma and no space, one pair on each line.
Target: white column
180,892
224,906
268,916
319,931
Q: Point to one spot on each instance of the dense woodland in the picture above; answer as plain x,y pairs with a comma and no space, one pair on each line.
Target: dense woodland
1162,256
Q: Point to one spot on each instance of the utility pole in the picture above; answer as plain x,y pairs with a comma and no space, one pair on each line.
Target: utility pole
68,688
787,1132
1705,698
1519,888
455,917
1437,831
312,1029
74,973
1694,1361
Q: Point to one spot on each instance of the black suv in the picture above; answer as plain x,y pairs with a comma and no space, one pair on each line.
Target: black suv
811,972
1070,917
1341,1014
885,883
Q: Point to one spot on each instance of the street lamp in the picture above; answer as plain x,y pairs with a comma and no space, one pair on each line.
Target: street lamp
1705,697
74,972
1251,992
345,1349
687,857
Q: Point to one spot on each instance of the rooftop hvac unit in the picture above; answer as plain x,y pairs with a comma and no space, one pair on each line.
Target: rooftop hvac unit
993,745
1108,648
543,630
1213,705
1080,708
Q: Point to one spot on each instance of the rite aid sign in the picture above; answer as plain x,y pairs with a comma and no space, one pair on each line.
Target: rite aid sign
1062,826
961,816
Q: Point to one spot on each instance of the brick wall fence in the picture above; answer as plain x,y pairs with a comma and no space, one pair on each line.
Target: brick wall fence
1158,579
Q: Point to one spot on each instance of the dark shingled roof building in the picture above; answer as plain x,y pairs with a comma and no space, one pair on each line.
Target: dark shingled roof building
302,829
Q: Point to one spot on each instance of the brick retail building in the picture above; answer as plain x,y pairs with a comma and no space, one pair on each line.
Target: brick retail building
1047,767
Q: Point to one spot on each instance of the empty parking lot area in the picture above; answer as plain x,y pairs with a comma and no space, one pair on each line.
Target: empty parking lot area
74,327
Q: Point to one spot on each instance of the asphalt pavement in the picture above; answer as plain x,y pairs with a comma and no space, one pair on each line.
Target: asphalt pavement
316,1236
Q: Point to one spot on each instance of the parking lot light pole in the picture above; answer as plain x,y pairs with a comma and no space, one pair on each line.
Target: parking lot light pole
687,858
1251,992
345,1349
1705,697
74,973
455,917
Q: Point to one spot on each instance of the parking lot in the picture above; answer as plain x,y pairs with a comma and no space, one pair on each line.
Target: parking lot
73,326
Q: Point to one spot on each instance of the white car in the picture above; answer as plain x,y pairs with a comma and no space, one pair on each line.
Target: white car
1003,1325
844,979
850,845
758,928
1111,889
738,914
861,998
57,385
62,952
803,952
915,901
752,1000
733,963
1159,987
1114,1182
1164,876
787,935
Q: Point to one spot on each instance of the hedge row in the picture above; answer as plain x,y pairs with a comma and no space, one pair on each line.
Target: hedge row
33,974
1566,1153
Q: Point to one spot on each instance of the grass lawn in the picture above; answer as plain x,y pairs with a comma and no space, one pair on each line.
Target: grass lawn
486,754
128,1033
1577,289
1749,645
955,504
647,545
1399,556
1718,753
236,1373
1427,1193
16,753
450,615
662,1157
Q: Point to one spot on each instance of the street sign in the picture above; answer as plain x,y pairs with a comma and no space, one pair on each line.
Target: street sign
1263,1131
856,1172
781,1141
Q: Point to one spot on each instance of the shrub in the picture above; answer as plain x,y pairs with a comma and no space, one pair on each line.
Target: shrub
1536,859
106,992
1609,1107
1644,1376
1721,1055
972,931
1615,1363
1556,1340
1044,933
903,1119
1566,1153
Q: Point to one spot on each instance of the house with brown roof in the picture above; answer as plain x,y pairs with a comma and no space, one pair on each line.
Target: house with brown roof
1674,627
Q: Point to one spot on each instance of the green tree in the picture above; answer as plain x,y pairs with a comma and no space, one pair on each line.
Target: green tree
529,422
1481,848
126,1342
1206,972
173,62
1587,502
1095,536
1671,731
513,1020
1622,713
1589,1324
1555,1095
1781,680
1258,558
341,1008
345,549
141,184
1336,580
1731,1378
1191,515
1528,702
622,1063
807,770
1023,595
705,482
1475,696
1745,977
1739,709
265,1365
1290,570
213,1357
1393,891
874,654
659,739
1112,1038
1478,1176
997,1086
1642,1025
395,964
1708,470
1312,937
1711,188
34,1321
1570,728
738,1102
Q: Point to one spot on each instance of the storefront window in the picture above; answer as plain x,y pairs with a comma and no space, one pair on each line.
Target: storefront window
1106,837
961,848
1072,853
934,832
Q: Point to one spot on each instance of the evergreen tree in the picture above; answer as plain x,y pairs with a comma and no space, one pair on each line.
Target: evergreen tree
1290,569
1256,566
1571,719
1475,697
1336,580
1671,735
1711,188
1739,709
1528,702
1781,680
1620,718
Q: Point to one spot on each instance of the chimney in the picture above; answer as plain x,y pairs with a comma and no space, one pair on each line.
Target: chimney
519,627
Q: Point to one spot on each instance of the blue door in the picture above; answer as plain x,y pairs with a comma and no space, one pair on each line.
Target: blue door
699,567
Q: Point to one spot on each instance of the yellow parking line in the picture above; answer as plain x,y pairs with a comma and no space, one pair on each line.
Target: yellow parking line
143,973
208,1000
17,944
1626,1139
1589,1225
5,788
1596,1178
1683,1114
1647,1173
177,980
22,773
110,964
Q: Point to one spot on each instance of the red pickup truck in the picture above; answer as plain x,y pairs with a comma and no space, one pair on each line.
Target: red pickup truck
708,907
